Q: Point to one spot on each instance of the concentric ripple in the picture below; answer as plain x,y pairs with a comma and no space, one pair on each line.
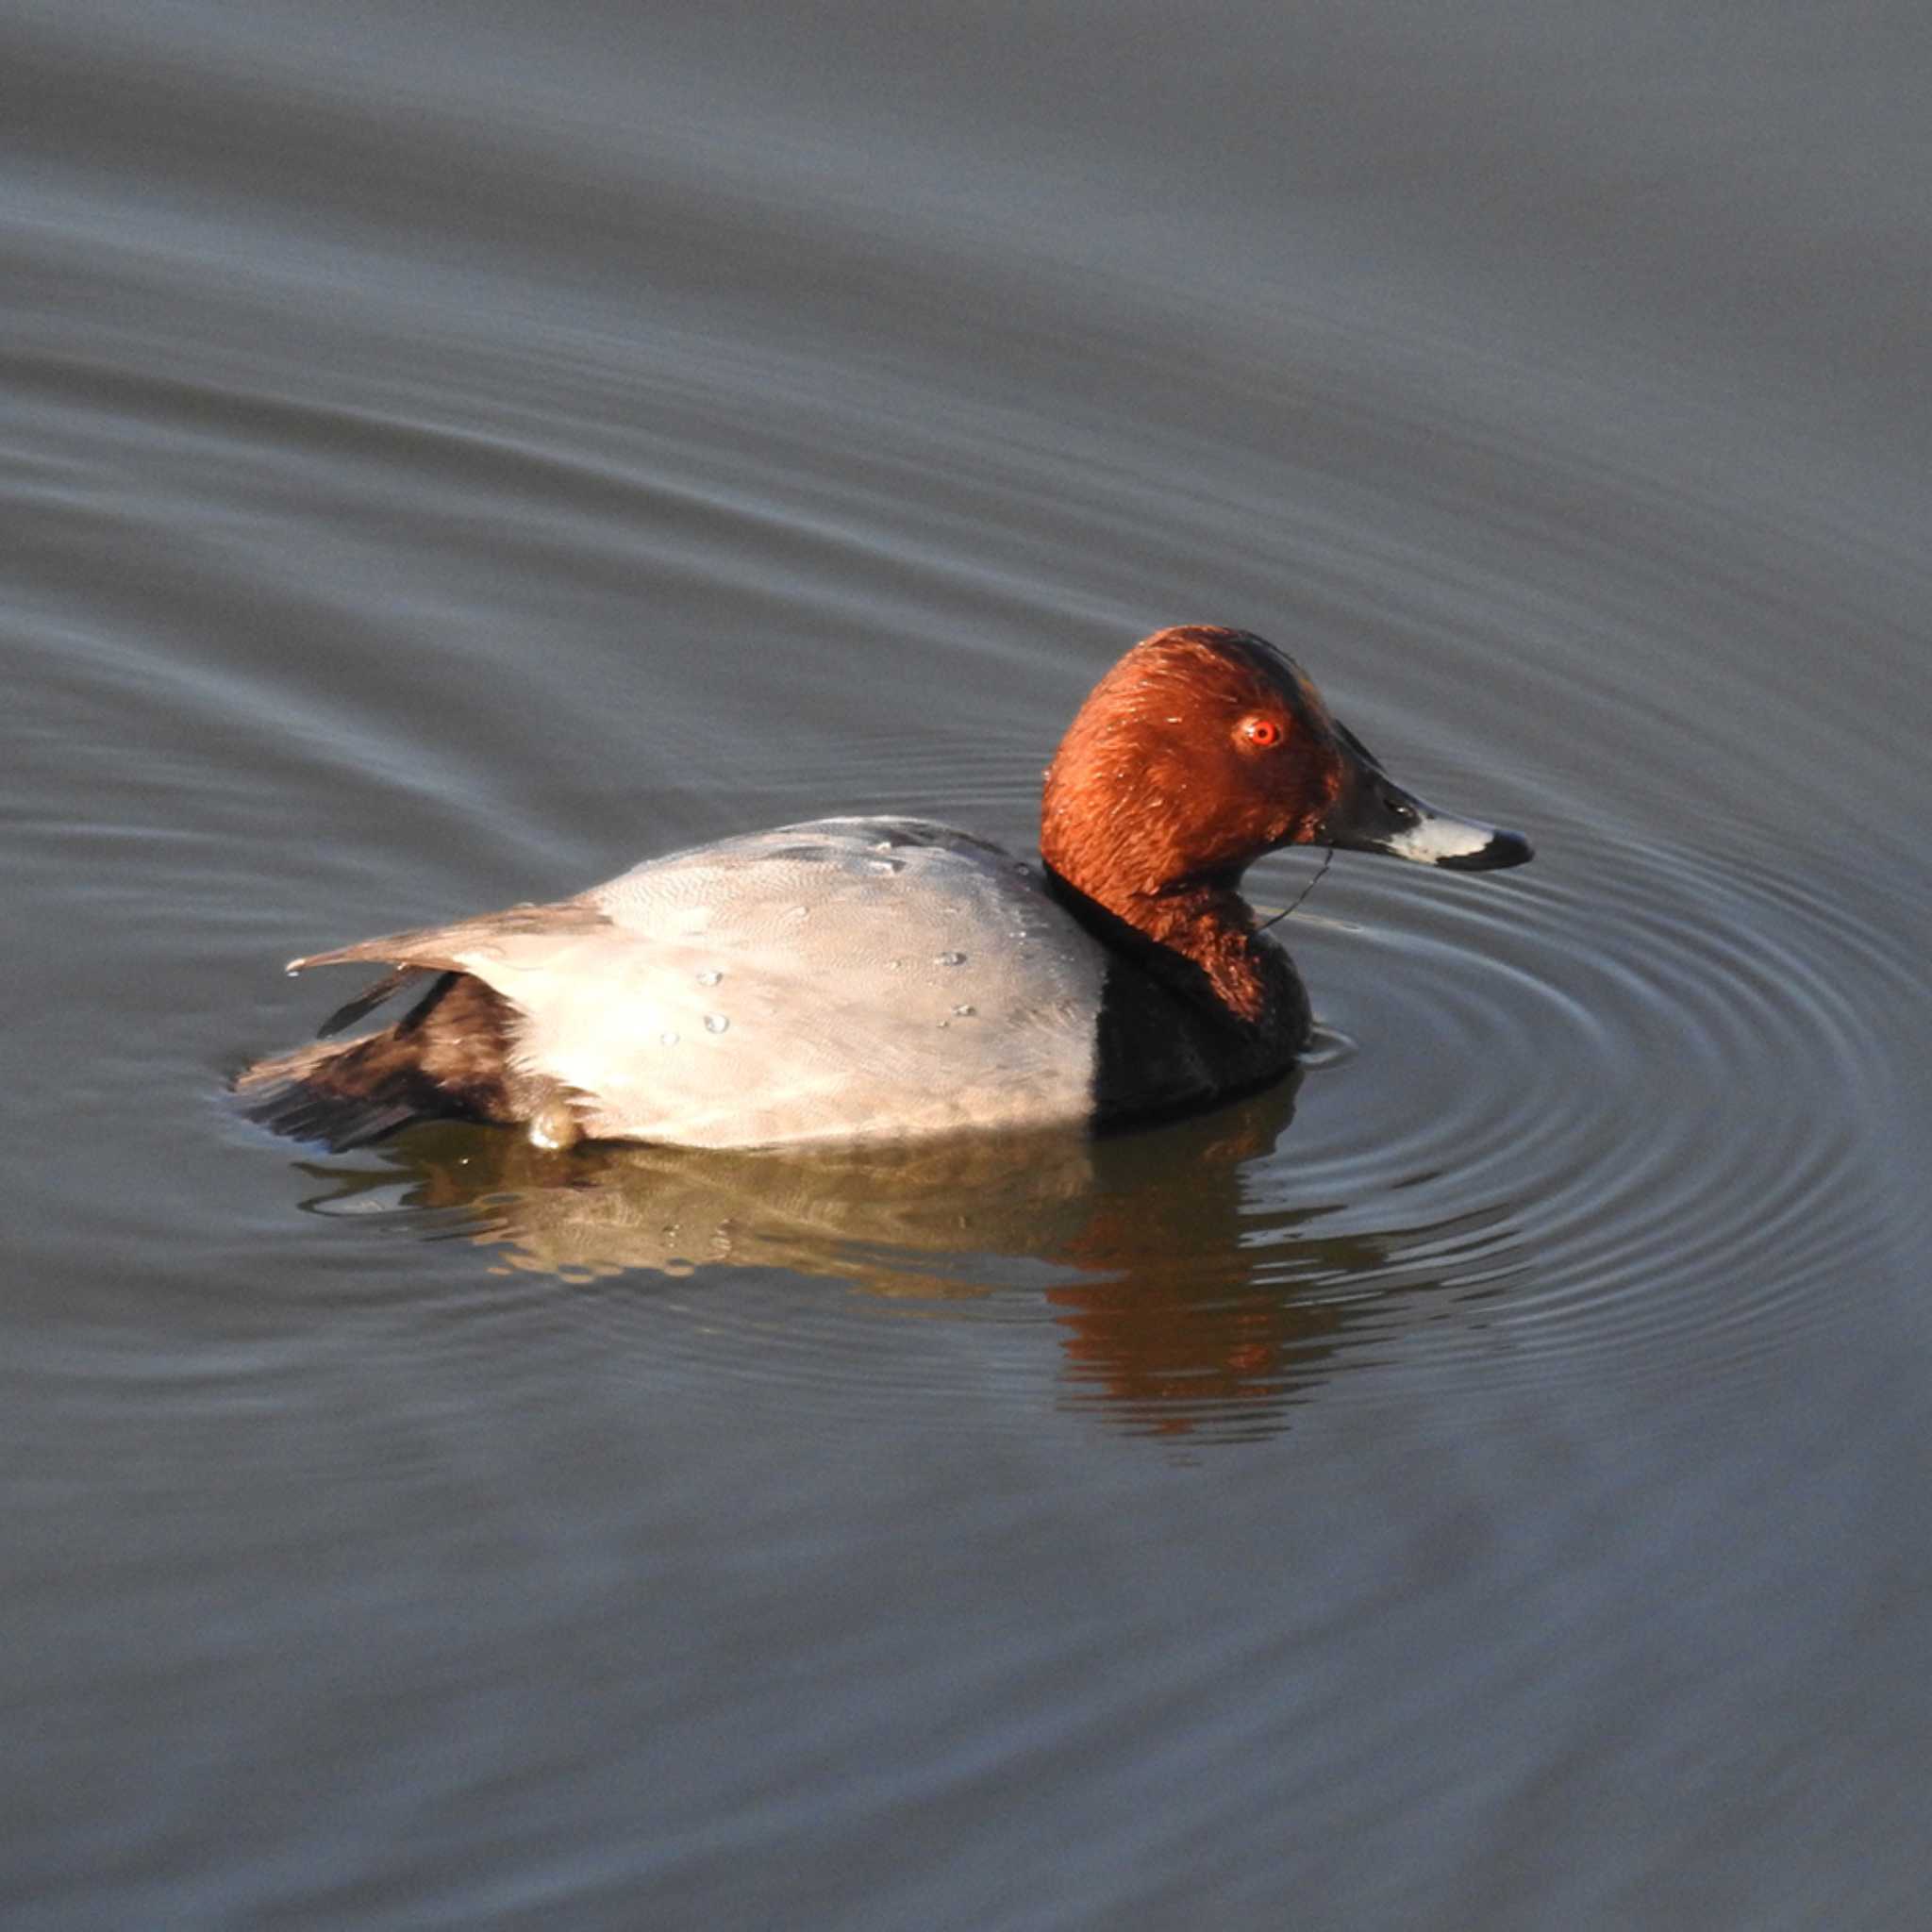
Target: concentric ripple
1661,1062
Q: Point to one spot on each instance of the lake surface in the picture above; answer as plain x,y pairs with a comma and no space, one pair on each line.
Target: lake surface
450,455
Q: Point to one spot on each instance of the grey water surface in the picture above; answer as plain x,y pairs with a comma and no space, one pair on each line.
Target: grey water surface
450,454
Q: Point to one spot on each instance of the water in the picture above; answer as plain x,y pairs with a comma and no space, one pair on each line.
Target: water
1481,1483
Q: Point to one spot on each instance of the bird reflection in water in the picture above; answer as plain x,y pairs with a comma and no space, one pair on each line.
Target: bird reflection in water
1185,1300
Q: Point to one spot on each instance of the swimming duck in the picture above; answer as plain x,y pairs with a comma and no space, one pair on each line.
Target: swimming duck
868,978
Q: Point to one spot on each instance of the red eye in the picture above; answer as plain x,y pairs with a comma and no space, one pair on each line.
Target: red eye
1263,733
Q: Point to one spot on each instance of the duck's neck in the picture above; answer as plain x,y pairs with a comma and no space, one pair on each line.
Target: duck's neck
1200,939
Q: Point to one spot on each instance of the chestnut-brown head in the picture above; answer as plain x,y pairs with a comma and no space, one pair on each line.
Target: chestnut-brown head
1200,750
1205,747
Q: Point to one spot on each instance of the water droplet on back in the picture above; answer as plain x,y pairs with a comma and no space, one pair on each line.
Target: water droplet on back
710,977
716,1022
949,958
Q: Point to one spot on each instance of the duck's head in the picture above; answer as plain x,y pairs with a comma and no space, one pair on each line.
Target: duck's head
1204,748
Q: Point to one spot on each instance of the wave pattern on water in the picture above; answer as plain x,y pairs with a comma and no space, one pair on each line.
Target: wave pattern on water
445,468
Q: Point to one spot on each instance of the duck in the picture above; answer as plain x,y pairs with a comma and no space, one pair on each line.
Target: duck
884,978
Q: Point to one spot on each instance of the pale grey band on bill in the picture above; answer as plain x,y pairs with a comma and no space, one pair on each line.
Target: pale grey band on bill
1434,840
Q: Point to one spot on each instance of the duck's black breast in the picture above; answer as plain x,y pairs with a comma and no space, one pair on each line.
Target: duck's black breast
1165,1046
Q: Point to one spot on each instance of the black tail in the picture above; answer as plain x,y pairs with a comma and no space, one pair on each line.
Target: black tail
446,1059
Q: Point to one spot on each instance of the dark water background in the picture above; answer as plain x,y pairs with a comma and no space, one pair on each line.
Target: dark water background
452,453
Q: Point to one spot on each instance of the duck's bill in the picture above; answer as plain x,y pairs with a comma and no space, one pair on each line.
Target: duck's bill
1375,814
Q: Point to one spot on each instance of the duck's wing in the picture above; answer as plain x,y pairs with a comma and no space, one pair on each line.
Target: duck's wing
468,945
482,947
